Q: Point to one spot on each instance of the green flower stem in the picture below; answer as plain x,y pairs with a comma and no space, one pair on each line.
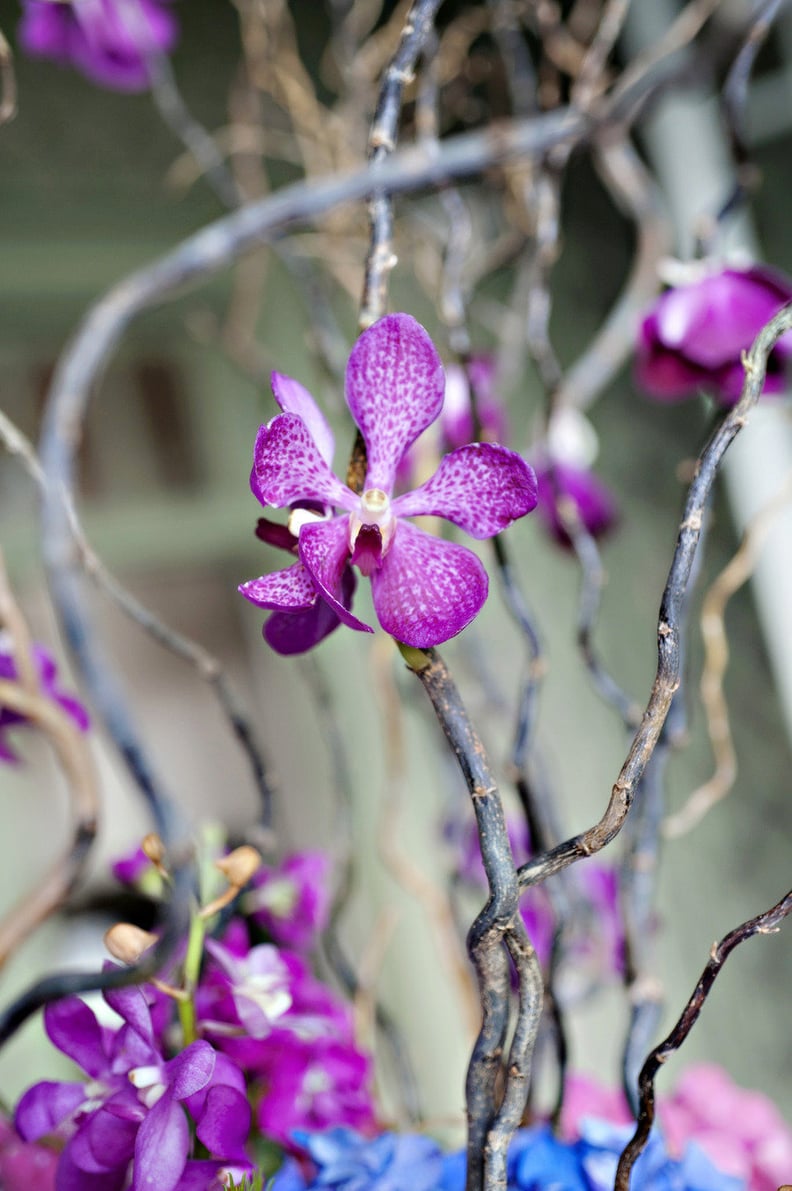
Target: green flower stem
192,969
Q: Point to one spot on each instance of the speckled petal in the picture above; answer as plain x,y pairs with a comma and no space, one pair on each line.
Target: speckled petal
427,590
289,633
290,590
288,467
294,398
482,488
394,388
324,551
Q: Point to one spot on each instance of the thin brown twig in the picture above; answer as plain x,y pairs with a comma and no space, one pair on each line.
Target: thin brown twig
716,659
668,673
407,874
8,87
764,924
205,663
25,698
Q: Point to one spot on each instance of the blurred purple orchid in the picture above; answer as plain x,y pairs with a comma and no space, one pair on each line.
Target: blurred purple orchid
108,41
291,901
425,589
133,1107
593,502
693,337
48,679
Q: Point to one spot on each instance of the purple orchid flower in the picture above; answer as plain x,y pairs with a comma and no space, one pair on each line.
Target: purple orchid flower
292,900
693,337
133,1107
425,589
295,630
594,502
48,679
108,41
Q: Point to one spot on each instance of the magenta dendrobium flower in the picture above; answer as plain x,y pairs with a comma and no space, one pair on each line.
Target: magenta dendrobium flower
106,40
425,589
314,1085
693,337
291,901
132,1109
48,679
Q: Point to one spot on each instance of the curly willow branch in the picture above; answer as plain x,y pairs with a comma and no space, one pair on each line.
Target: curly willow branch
764,924
672,608
26,698
497,934
66,984
716,659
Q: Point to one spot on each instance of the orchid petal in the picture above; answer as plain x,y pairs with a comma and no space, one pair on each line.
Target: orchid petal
294,398
288,467
130,1004
289,633
481,487
72,1027
191,1070
225,1122
161,1148
45,1106
324,551
427,590
290,590
394,389
70,1177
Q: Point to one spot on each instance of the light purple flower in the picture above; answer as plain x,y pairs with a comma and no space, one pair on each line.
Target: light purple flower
694,335
457,424
291,901
48,680
106,40
425,589
593,501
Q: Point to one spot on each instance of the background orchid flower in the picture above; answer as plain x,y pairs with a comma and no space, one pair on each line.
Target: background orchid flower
48,678
106,40
693,337
425,589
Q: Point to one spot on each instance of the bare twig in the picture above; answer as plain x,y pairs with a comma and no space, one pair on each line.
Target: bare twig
764,924
497,931
716,660
26,698
206,665
381,144
332,946
8,88
64,984
668,673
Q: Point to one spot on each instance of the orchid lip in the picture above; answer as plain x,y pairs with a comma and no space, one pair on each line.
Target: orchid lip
374,509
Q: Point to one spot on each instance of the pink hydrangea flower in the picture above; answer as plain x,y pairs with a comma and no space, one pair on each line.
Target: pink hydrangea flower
693,337
741,1132
106,40
425,589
